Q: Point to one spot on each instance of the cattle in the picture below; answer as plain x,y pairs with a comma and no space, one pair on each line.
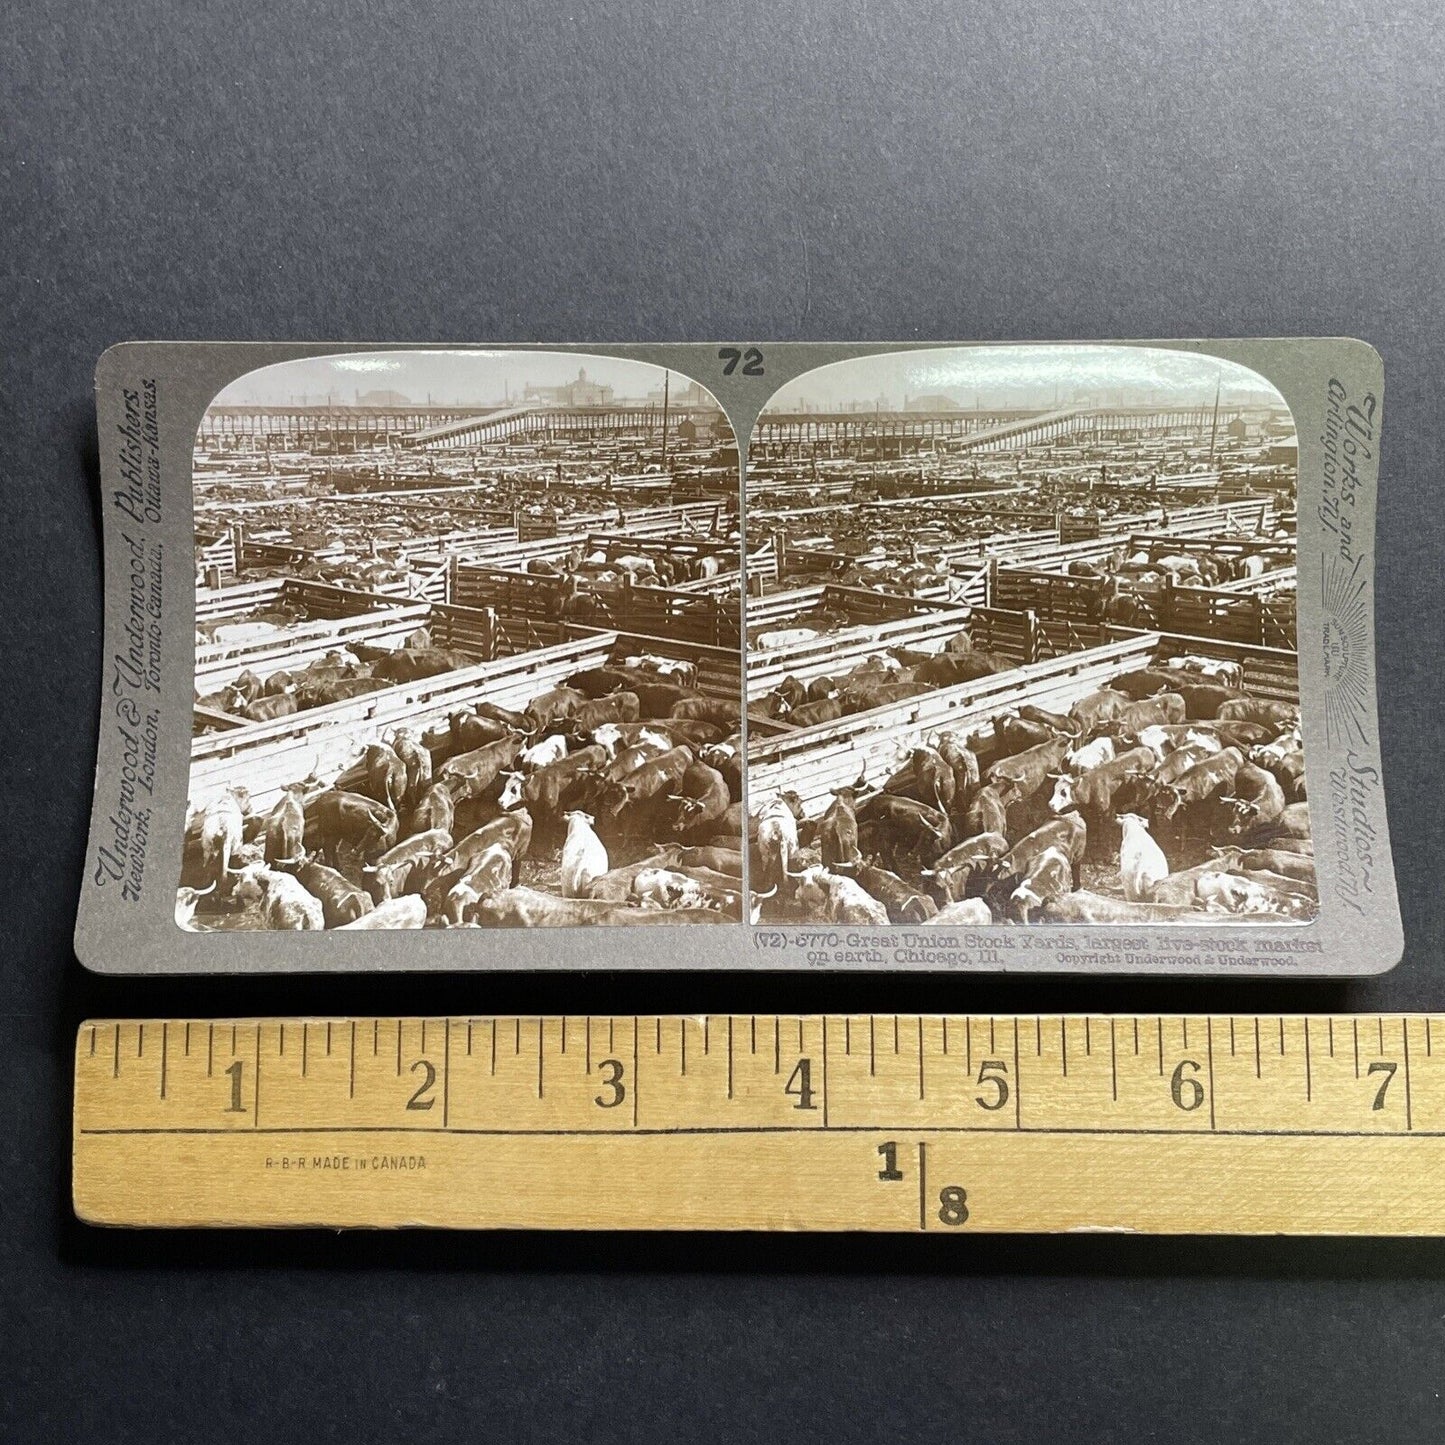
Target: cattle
551,789
813,714
488,876
342,902
416,760
728,861
1297,866
1144,683
530,908
645,783
1019,777
777,838
691,731
976,857
903,903
222,827
1294,822
1085,906
279,900
324,691
665,888
1094,793
617,707
831,898
1069,835
555,705
903,827
727,758
186,900
469,775
1088,756
1229,673
468,731
702,799
720,712
1142,863
1165,707
584,857
386,779
513,830
394,871
986,813
550,750
268,709
1265,711
1204,783
408,912
615,885
964,762
411,664
838,831
949,669
1257,799
963,913
1096,708
1050,875
1202,701
1013,734
285,829
435,809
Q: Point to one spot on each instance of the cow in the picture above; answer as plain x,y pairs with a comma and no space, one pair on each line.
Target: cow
777,838
838,831
645,782
342,902
1202,700
1204,783
186,900
584,857
814,714
285,830
727,758
615,885
514,830
1229,673
986,813
469,775
830,898
949,669
1093,794
1088,756
904,903
1293,823
1163,708
1142,863
1265,711
1050,875
279,900
416,760
551,749
397,869
1257,798
904,827
555,787
1013,734
268,709
468,731
411,664
1084,906
407,912
386,778
1296,866
529,908
222,830
555,705
964,762
1069,834
488,876
1098,707
963,913
974,857
1144,682
1017,778
720,712
336,819
434,810
727,861
702,798
665,888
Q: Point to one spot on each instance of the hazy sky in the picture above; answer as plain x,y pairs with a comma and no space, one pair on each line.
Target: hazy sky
480,377
1029,376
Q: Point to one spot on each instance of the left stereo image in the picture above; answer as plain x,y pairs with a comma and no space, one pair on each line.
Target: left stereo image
467,646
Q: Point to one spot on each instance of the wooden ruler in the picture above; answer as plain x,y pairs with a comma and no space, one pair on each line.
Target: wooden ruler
1245,1124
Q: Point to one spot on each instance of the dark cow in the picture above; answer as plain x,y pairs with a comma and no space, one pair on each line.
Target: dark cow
1101,706
385,775
1202,700
285,830
975,857
949,669
905,904
838,830
411,664
337,819
560,785
646,782
392,874
1144,683
342,901
1165,707
1265,711
551,706
986,813
1204,783
1257,798
1068,834
1019,777
436,809
812,714
268,709
617,707
702,798
468,731
718,711
904,828
469,775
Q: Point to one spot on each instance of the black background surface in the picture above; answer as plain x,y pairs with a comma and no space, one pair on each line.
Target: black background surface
740,172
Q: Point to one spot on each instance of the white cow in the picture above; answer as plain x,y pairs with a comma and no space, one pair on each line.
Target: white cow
1091,755
583,856
1142,863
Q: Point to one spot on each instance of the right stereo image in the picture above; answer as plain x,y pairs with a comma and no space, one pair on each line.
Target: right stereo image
1022,642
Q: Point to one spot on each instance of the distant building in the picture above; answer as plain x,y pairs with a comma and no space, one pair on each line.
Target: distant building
382,398
931,401
683,393
581,392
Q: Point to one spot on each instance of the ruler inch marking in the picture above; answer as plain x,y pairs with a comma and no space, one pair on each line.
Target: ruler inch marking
1405,1040
165,1031
922,1187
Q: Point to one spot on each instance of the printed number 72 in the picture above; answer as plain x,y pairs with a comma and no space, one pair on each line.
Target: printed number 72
752,360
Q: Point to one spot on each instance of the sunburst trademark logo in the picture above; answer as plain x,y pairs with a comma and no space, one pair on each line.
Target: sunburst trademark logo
1346,641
